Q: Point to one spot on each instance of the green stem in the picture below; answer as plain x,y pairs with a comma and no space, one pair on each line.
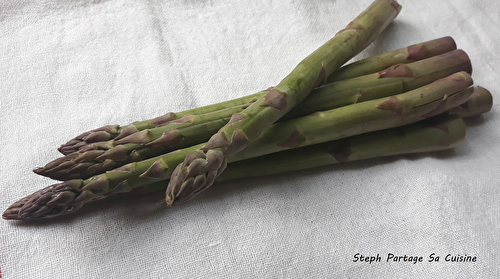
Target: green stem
311,72
363,67
438,133
379,114
425,136
202,167
400,56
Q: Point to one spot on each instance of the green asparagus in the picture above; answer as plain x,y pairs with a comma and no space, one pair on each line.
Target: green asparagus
424,136
430,135
193,129
305,157
367,66
201,167
384,113
401,56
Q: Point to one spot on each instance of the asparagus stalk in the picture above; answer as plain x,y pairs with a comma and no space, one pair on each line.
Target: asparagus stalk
303,158
400,56
437,133
434,134
425,136
198,170
310,73
67,197
479,102
99,157
367,66
369,116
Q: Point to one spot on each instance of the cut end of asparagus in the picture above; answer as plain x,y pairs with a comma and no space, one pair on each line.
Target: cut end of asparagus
463,57
396,6
431,48
481,101
406,55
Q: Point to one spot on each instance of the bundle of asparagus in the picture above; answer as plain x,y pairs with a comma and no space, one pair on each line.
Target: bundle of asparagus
319,114
99,157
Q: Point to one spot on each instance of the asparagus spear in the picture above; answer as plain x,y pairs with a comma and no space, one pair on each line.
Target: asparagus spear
367,66
427,101
425,136
400,56
99,157
434,134
479,102
302,159
438,133
198,172
193,129
310,73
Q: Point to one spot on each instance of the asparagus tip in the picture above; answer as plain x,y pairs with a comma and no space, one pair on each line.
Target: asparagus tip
10,214
39,171
52,201
198,172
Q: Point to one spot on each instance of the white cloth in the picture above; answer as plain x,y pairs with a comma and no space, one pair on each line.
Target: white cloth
68,66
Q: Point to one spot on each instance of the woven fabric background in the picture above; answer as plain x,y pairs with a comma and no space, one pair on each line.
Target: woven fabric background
68,66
